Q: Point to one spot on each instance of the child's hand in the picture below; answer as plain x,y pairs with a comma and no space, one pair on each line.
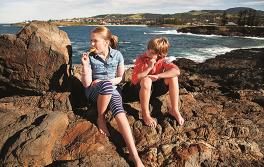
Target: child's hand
151,63
85,59
95,81
153,77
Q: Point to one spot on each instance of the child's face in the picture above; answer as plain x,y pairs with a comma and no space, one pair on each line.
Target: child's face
98,42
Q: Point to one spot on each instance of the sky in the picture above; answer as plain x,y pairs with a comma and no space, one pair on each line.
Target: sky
12,11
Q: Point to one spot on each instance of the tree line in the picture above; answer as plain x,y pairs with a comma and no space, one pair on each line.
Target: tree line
245,17
242,18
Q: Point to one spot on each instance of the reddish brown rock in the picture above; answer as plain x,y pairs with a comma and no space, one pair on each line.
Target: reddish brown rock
33,146
34,60
83,140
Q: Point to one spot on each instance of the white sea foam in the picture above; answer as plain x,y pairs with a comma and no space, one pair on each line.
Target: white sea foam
175,32
200,35
163,32
215,50
201,54
193,56
256,38
204,35
170,58
126,42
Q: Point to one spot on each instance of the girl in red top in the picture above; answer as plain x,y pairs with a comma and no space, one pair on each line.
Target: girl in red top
152,70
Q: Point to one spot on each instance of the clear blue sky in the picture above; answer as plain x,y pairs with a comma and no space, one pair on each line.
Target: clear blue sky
20,10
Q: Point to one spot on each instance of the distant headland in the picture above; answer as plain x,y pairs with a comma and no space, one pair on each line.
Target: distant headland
239,16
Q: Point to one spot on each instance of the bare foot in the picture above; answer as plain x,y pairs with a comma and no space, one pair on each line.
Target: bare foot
102,126
177,116
149,121
136,160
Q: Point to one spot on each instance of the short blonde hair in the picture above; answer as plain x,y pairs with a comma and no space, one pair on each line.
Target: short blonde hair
160,45
107,35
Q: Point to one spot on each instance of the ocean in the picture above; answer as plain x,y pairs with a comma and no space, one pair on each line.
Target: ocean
133,41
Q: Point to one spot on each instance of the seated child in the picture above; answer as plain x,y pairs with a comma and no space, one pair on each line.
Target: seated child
153,73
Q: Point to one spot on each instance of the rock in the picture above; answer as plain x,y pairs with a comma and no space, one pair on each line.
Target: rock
78,98
83,140
259,100
34,144
34,60
225,30
236,70
41,130
195,155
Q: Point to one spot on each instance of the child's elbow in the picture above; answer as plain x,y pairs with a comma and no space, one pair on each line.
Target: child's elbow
85,84
177,71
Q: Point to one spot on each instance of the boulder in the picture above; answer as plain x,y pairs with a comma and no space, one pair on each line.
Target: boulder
43,130
33,145
34,60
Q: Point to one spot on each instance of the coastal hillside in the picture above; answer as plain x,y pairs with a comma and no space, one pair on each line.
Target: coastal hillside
49,122
130,16
194,17
193,13
234,16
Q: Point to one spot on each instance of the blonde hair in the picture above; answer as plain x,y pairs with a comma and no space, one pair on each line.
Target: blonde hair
160,45
107,35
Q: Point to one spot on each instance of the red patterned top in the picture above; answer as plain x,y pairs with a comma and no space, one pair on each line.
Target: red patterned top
141,65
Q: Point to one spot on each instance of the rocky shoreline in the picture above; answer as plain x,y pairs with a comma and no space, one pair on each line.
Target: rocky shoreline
225,30
47,124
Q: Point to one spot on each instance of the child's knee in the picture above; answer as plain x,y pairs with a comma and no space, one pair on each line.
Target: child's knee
146,83
106,88
172,80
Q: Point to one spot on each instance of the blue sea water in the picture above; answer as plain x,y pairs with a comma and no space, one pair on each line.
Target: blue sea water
133,41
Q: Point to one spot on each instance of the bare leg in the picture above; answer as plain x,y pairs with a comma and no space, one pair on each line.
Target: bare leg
174,98
102,103
125,130
144,96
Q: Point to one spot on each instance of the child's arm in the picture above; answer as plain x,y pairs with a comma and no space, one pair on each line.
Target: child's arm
173,72
119,75
119,71
86,71
170,70
144,73
147,70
